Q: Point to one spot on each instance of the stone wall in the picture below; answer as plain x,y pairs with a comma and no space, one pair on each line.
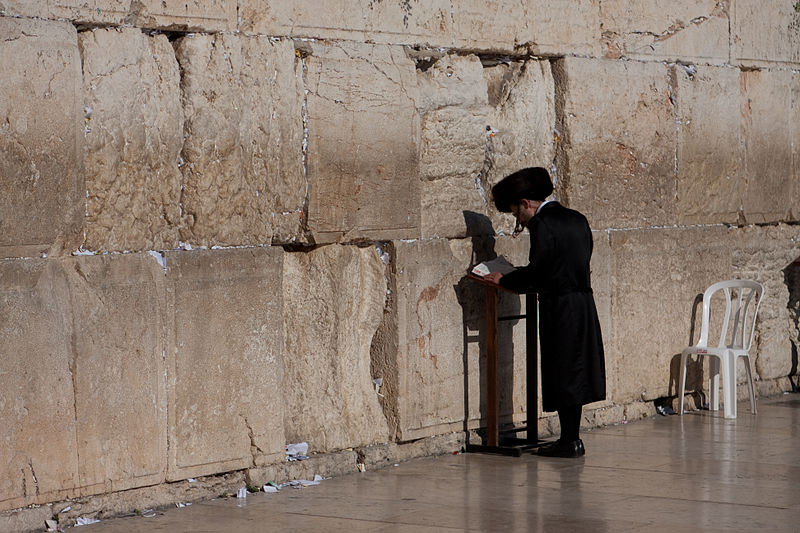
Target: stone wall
231,226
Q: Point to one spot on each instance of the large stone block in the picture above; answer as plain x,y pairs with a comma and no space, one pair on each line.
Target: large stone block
522,123
710,182
177,15
618,141
118,370
762,253
452,100
364,136
765,32
225,361
42,193
602,277
83,347
478,25
441,337
333,303
687,31
562,27
38,442
471,25
795,121
134,136
365,20
243,160
657,275
767,125
24,8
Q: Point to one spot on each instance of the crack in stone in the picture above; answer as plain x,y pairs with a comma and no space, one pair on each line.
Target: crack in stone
33,474
674,29
254,448
73,369
304,149
376,67
561,135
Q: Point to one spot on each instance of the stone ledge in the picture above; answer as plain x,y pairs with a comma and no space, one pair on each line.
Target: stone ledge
126,503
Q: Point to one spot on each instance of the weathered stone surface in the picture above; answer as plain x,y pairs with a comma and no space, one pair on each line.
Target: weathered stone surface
657,274
27,519
325,464
766,128
380,21
115,504
134,135
451,81
603,281
24,8
710,182
39,441
562,27
390,453
765,32
619,142
795,124
452,100
491,28
689,30
522,123
226,369
639,410
118,370
440,330
605,416
437,24
42,194
762,253
334,300
213,15
364,135
243,177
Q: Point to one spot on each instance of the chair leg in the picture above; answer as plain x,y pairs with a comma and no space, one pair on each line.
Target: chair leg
750,382
713,383
682,389
729,385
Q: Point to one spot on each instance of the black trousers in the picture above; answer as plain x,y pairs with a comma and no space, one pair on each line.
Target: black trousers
570,420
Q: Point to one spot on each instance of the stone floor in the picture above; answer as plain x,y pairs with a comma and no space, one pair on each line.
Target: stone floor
671,474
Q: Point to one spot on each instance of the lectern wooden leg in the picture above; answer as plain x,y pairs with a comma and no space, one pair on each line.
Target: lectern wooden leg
532,366
492,404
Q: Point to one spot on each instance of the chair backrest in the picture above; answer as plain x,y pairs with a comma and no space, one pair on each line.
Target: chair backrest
742,300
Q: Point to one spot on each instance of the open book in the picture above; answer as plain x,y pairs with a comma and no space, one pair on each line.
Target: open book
498,264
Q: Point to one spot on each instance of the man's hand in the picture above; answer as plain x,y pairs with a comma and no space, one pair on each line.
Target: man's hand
494,277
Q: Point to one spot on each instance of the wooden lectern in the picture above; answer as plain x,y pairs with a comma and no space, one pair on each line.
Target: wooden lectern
499,441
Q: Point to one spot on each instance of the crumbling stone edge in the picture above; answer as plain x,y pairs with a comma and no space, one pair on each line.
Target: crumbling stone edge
167,495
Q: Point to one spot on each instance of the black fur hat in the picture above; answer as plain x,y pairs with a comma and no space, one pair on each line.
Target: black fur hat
531,183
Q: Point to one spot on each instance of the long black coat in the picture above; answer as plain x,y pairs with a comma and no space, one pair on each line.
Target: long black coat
573,362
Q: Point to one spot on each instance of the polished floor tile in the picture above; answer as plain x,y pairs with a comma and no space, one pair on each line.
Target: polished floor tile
699,472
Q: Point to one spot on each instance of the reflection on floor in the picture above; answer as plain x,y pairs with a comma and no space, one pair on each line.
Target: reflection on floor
698,472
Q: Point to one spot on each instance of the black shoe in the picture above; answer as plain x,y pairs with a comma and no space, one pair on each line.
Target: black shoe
563,449
548,445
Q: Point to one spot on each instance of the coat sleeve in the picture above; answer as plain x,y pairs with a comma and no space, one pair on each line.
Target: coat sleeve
529,278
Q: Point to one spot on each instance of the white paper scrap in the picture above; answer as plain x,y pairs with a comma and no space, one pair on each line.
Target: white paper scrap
297,449
498,264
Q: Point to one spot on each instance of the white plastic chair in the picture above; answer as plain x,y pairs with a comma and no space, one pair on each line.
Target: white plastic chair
742,300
